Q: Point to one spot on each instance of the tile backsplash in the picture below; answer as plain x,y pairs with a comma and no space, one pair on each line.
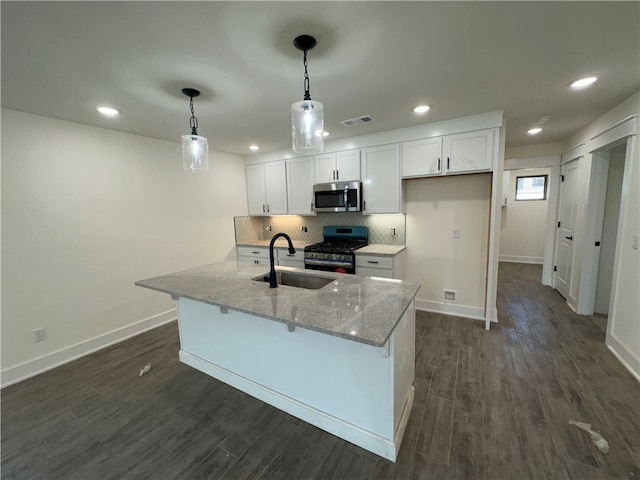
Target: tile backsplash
381,227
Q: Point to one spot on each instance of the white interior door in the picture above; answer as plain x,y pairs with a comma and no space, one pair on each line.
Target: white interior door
566,224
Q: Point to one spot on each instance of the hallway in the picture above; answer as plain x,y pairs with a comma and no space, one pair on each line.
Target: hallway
489,405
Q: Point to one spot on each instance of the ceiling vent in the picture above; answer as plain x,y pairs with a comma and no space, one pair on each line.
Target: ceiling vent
357,121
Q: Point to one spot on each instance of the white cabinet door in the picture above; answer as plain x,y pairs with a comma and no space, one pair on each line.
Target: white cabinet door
300,180
340,167
469,151
267,188
421,158
348,166
275,181
256,194
382,184
325,168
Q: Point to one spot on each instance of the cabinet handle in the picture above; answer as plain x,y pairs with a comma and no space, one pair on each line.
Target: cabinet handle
267,208
337,174
447,163
291,254
438,164
263,209
365,206
372,261
312,206
569,238
334,174
257,253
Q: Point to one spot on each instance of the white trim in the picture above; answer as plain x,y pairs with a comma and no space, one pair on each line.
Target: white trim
521,259
625,357
476,313
624,128
39,365
573,153
341,428
543,161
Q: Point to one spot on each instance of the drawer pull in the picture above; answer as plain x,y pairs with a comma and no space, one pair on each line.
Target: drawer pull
257,253
372,261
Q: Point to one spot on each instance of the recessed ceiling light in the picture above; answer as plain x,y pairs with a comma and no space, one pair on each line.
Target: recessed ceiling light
108,111
583,82
534,131
255,148
422,109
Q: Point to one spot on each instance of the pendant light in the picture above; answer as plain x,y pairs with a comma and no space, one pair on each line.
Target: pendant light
307,116
195,149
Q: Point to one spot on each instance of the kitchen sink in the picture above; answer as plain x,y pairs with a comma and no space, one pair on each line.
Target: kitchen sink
299,280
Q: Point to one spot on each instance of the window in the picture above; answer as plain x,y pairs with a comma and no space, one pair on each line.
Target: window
531,188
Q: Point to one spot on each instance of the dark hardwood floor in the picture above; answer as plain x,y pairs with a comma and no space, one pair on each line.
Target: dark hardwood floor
489,405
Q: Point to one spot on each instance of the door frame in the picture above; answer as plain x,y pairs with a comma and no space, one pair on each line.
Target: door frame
624,131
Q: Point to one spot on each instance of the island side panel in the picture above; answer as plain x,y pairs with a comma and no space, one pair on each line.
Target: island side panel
348,380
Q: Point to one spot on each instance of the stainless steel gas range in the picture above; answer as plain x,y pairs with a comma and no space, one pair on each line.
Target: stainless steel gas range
336,252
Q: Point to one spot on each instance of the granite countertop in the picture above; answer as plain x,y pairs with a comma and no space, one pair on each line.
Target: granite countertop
280,243
362,309
380,249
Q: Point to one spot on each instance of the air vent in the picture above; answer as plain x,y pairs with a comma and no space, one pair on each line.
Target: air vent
357,121
450,295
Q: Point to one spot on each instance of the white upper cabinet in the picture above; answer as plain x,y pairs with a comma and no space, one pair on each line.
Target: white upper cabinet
458,153
469,151
300,181
338,167
267,188
422,157
382,183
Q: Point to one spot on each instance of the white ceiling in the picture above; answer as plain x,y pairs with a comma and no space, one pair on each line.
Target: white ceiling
61,59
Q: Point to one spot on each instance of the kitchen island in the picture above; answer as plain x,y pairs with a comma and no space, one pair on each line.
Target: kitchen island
341,357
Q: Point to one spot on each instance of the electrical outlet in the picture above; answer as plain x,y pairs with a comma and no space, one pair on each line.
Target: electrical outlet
393,232
39,335
268,228
455,233
303,229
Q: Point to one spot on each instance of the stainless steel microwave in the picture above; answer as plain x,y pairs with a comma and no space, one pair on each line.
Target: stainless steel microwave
337,197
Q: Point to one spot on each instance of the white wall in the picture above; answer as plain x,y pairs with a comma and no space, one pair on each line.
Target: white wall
434,207
523,224
623,335
85,213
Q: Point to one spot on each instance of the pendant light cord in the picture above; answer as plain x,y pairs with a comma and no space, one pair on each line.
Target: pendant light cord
193,121
307,95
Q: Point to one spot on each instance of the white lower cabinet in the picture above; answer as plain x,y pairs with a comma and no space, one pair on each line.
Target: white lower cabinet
384,266
256,255
295,260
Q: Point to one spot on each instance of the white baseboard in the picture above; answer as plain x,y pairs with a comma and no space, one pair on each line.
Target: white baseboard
465,311
51,360
519,259
625,357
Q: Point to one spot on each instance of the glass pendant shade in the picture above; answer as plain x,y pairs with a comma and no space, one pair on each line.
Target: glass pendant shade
195,153
307,126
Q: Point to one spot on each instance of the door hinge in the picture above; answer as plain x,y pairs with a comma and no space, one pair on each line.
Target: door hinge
559,223
555,268
597,244
562,178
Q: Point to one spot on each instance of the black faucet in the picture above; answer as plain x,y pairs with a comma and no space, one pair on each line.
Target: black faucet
273,282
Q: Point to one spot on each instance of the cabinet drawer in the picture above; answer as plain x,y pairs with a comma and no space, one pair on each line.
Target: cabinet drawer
374,261
256,252
283,254
254,260
374,272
